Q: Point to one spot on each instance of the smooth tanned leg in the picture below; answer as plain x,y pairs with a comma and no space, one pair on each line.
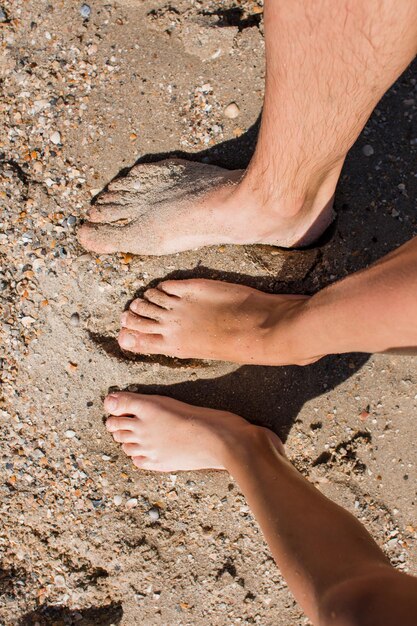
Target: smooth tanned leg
333,567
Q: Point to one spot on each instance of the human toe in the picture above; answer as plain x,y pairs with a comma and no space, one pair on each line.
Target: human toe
148,309
131,321
124,436
160,298
121,403
109,212
132,449
142,343
142,462
103,238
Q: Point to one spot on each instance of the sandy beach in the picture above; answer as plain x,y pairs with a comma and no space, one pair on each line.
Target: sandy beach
85,538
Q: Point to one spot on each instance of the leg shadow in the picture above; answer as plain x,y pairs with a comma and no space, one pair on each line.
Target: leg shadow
62,616
268,396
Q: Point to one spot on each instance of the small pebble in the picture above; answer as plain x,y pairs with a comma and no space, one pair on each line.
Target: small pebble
38,264
56,138
3,16
154,514
131,503
75,319
232,111
117,500
368,150
85,11
71,220
70,434
27,320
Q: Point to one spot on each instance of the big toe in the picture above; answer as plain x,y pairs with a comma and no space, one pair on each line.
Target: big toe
184,287
105,238
141,343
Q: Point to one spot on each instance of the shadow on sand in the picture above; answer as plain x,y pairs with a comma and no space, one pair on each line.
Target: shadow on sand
268,396
62,616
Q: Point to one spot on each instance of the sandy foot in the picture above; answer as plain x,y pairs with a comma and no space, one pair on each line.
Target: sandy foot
177,205
162,208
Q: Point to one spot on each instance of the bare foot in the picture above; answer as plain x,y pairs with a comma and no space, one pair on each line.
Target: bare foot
176,205
166,435
209,319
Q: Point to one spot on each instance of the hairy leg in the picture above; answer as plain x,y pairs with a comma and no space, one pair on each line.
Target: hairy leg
333,567
327,65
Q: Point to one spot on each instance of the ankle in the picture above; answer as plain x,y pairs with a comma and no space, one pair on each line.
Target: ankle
289,341
306,203
270,195
248,444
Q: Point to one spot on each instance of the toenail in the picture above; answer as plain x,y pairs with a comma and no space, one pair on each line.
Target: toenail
111,403
134,306
127,341
124,317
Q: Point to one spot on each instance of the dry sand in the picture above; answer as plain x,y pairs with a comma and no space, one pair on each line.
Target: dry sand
84,538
